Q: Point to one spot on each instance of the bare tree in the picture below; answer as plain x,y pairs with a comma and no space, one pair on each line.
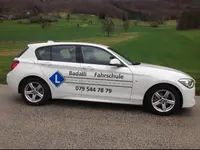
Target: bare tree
189,19
1,7
68,15
36,10
125,17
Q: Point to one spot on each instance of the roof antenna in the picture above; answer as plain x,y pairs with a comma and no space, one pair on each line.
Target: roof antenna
50,41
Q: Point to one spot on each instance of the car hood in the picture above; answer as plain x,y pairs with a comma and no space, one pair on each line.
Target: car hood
158,71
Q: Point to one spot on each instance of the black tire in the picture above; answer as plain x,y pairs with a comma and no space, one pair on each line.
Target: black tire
178,99
46,96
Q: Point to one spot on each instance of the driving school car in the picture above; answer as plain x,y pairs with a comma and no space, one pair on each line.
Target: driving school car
92,72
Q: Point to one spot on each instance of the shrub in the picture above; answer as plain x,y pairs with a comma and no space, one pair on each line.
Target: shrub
45,25
90,22
42,19
161,22
49,19
136,22
102,16
35,19
83,25
25,21
126,25
154,24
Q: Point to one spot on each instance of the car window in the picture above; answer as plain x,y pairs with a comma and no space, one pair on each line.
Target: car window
43,53
64,53
94,55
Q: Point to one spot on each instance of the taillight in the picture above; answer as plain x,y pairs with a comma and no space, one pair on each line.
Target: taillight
14,64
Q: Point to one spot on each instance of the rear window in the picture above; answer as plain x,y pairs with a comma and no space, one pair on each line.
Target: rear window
62,53
21,53
43,53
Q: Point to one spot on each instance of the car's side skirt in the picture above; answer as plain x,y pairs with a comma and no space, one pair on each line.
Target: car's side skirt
104,100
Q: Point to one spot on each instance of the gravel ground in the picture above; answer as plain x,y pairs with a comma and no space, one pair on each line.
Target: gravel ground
73,124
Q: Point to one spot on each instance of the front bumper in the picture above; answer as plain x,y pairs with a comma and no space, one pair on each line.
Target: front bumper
188,97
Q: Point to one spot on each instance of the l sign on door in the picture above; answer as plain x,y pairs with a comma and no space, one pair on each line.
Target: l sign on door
57,79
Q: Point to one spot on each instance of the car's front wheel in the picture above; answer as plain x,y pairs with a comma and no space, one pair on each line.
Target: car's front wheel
35,92
163,100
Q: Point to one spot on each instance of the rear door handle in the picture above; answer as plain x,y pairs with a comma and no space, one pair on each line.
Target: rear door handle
45,63
88,68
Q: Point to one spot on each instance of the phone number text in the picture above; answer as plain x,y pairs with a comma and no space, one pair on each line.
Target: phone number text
93,89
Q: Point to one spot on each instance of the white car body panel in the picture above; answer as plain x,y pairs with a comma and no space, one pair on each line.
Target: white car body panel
66,89
130,89
121,88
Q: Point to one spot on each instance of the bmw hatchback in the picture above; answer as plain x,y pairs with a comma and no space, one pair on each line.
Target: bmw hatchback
93,72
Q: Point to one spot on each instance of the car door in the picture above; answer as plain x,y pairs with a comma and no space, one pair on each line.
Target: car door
57,63
102,80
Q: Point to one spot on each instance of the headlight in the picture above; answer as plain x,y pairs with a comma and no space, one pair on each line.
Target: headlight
189,83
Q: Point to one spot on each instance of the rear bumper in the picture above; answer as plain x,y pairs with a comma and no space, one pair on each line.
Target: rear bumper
13,81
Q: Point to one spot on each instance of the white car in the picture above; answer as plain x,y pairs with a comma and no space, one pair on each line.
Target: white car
92,72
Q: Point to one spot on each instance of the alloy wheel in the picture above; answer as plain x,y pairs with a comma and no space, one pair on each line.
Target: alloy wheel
34,92
163,100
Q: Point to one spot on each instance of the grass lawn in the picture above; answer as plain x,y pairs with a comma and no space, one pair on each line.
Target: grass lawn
163,46
167,47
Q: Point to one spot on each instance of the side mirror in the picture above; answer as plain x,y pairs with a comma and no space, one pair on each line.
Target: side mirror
115,62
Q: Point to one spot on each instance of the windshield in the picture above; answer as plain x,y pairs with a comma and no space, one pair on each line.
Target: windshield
124,58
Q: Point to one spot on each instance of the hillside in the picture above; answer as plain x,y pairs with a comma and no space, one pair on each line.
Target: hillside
143,9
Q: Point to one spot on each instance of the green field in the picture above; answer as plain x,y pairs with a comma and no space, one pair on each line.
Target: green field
163,45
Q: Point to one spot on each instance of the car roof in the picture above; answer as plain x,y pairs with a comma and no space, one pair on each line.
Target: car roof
51,43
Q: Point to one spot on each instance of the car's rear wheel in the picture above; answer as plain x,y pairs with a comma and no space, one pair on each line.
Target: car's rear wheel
35,91
163,100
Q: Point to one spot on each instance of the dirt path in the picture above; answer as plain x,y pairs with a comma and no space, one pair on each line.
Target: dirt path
9,53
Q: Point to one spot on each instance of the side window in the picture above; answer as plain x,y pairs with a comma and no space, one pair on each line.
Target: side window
43,53
95,55
64,53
